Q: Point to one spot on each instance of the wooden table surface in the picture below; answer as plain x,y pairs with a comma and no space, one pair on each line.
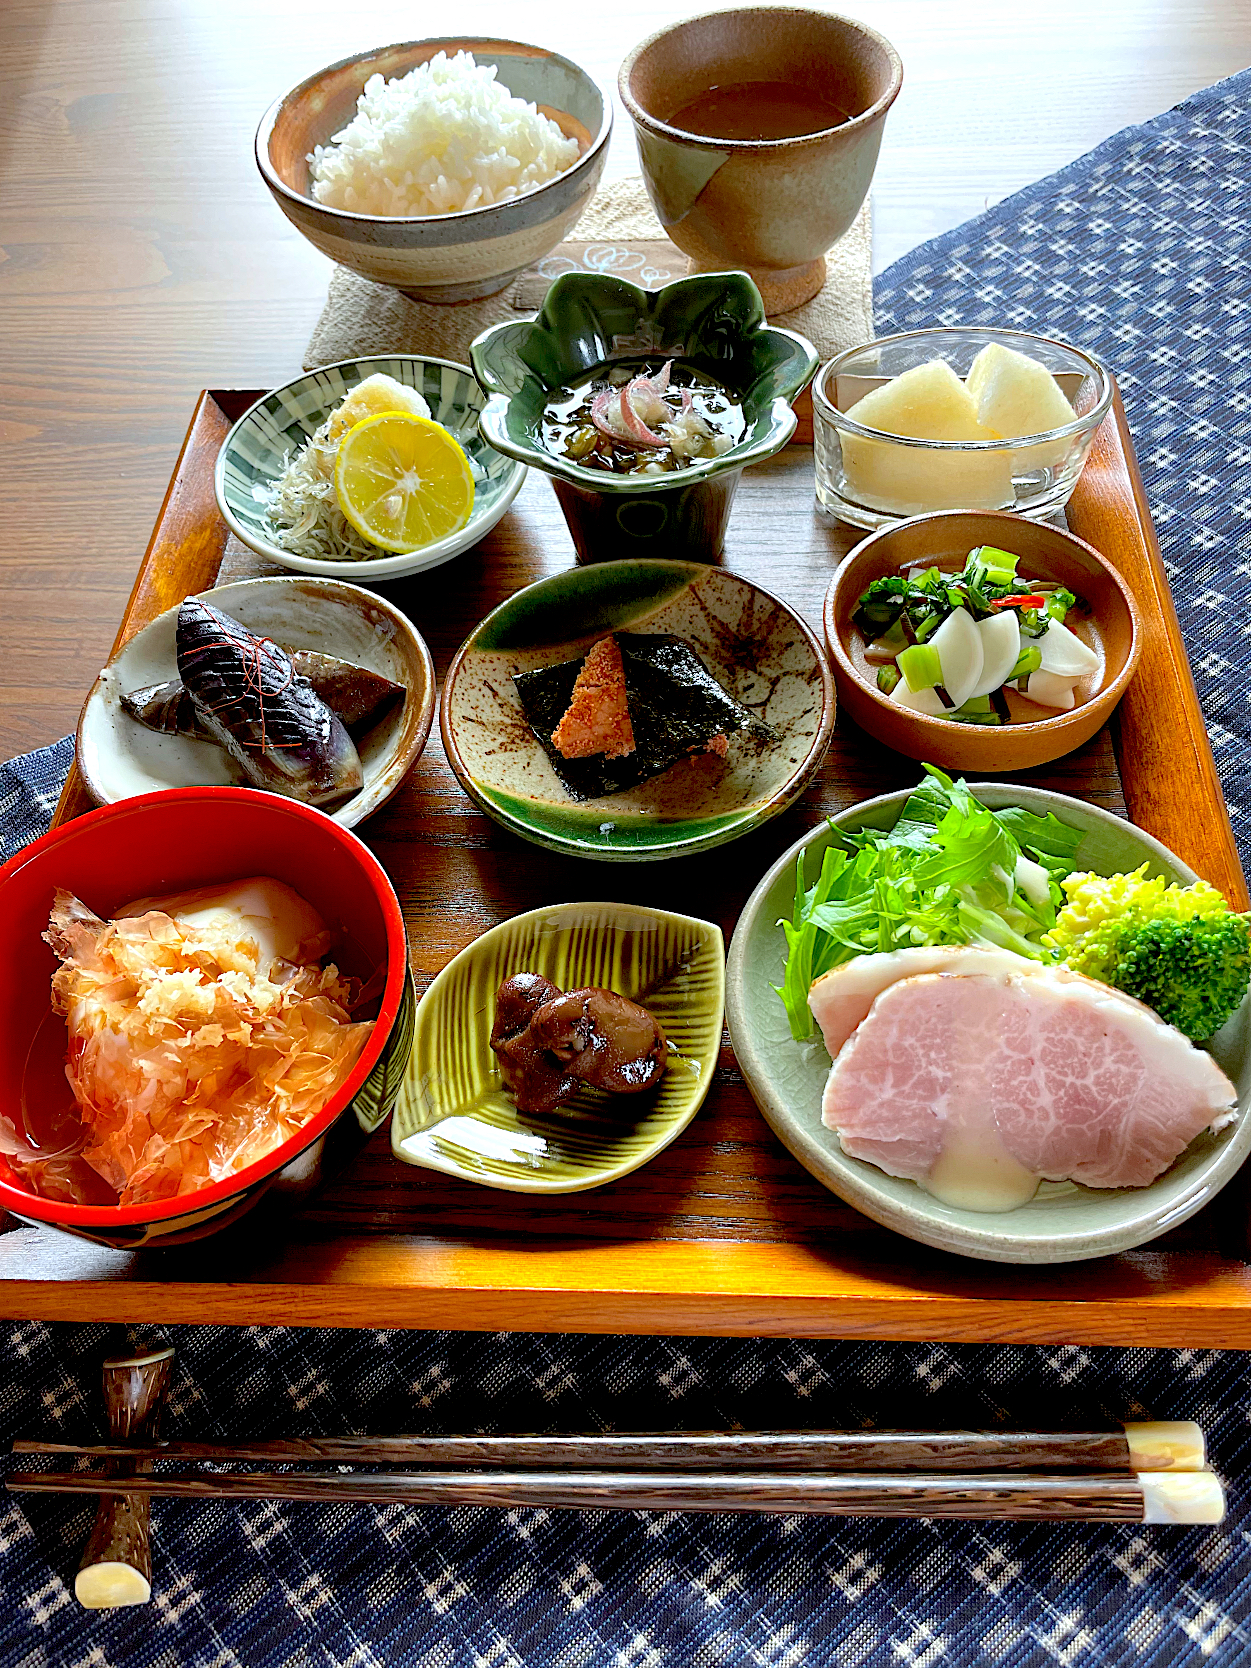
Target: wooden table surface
141,258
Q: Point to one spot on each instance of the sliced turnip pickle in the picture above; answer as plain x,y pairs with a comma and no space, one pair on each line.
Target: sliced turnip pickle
959,646
1001,649
1064,653
918,700
1049,689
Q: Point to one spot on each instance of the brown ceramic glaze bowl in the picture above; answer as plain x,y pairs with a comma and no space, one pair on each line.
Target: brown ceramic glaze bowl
1113,628
440,257
770,206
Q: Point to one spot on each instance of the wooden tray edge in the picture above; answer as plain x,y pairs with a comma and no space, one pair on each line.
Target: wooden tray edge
1168,773
1192,1299
714,1288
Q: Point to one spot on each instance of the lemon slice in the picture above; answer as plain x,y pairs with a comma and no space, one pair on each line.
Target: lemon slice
402,481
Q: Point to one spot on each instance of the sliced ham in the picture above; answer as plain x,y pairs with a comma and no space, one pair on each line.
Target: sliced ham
1066,1077
841,998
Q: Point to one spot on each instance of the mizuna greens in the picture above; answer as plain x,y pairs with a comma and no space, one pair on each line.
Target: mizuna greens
951,871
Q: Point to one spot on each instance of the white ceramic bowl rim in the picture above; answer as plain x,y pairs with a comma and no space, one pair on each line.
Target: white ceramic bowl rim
1080,425
395,566
478,218
644,118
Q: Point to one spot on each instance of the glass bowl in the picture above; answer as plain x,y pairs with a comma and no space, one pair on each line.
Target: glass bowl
872,479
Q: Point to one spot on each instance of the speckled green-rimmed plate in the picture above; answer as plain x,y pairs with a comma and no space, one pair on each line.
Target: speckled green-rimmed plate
453,1113
760,650
1064,1222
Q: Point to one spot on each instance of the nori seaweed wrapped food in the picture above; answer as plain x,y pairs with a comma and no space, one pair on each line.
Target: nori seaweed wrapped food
676,709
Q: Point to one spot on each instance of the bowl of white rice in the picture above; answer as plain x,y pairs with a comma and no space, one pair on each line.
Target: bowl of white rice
442,167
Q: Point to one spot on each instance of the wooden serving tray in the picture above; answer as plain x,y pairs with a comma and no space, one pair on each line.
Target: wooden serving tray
724,1232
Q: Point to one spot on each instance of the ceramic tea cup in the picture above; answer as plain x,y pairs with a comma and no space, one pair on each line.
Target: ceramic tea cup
772,206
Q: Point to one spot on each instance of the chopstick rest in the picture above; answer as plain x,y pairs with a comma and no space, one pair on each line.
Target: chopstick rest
116,1566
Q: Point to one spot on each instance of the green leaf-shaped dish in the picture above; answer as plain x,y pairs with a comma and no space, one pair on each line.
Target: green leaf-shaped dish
760,650
716,322
453,1113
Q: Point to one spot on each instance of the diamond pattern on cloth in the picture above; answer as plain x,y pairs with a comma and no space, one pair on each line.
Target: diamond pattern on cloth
281,1585
30,786
1134,251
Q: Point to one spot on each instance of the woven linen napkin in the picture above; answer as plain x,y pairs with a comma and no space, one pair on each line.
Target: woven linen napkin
618,233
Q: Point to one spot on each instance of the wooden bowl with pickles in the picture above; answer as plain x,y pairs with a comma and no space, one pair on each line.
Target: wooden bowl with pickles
979,640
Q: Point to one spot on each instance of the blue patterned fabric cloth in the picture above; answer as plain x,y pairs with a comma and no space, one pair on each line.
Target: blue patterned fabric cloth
1137,250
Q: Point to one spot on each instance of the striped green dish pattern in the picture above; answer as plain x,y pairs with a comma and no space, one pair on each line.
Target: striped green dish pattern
268,436
376,1095
453,1113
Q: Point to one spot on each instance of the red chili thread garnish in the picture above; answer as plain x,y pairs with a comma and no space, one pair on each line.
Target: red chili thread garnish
1019,602
251,649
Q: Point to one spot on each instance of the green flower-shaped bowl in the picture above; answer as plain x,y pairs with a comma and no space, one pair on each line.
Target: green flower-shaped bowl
454,1114
715,322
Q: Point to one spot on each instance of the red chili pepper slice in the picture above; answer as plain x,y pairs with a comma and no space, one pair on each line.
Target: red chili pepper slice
1019,602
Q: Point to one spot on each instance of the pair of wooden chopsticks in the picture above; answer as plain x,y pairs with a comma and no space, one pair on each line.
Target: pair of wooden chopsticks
1140,1473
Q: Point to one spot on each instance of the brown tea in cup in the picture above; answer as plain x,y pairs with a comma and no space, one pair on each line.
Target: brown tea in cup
757,110
758,132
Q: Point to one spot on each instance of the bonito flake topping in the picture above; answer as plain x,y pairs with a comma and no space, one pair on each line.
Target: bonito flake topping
192,1053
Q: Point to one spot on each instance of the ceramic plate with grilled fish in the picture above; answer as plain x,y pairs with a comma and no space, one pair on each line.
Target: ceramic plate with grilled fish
637,709
310,688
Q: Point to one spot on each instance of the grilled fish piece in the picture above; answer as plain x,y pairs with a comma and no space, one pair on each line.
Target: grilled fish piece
359,697
250,699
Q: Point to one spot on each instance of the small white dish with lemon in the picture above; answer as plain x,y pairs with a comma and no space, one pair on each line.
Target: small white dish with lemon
369,469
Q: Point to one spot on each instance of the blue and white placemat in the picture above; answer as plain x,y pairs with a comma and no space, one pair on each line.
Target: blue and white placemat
1139,251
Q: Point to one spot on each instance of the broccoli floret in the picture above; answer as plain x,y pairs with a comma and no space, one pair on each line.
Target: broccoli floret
1193,973
1180,949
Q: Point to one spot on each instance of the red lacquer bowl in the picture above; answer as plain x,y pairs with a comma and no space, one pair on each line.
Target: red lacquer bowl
170,842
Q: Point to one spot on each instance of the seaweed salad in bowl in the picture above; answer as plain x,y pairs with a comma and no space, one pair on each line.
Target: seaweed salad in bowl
644,407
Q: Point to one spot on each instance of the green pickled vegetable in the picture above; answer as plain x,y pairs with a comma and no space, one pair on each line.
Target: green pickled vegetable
1000,565
1029,660
1059,603
888,679
920,666
976,710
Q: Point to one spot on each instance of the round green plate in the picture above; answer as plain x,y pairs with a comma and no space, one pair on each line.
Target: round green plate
453,1113
1064,1222
761,651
